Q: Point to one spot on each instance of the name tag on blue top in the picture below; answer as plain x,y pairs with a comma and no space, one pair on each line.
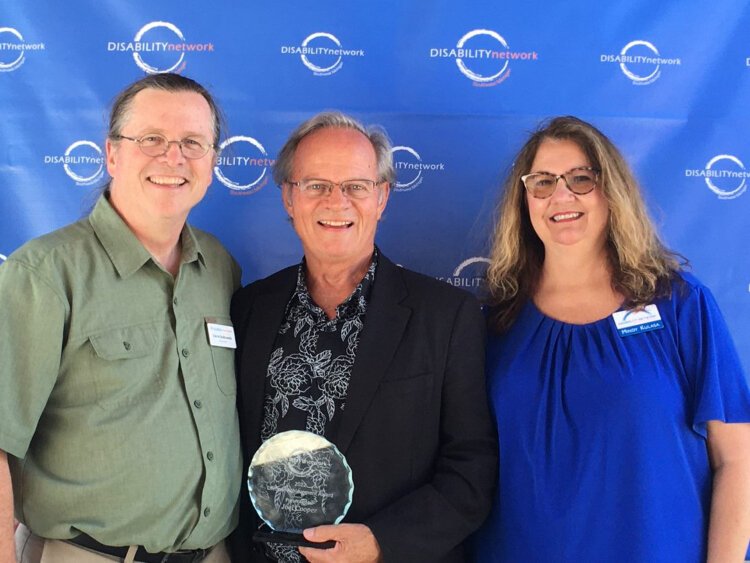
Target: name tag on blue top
638,320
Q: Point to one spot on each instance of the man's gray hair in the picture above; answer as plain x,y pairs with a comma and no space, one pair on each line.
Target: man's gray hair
282,169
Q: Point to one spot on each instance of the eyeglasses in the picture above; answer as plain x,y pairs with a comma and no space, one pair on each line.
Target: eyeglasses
154,144
353,189
579,180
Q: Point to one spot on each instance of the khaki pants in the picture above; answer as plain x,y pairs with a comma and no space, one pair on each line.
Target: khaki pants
30,548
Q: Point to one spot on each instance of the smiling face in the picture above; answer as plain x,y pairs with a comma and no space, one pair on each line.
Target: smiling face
147,189
334,229
566,219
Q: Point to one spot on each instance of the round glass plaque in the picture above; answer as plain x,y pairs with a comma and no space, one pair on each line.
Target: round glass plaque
298,480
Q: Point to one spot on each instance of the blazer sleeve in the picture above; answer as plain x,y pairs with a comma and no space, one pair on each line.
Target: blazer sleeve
432,520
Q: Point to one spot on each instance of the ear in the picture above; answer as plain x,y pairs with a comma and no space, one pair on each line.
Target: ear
384,193
286,199
111,152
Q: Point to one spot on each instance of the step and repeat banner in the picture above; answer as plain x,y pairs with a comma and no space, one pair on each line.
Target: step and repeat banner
457,85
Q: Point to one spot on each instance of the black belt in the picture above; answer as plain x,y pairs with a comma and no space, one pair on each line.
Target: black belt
191,556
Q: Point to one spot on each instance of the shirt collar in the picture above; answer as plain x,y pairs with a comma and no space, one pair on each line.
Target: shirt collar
353,305
124,249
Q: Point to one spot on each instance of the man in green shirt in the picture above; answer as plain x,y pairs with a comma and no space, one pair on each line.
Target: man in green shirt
118,427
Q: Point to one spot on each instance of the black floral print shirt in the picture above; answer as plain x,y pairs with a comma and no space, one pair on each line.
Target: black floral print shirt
308,374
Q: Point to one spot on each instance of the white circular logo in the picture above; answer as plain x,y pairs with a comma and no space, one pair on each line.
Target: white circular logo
316,68
712,174
82,165
469,262
249,168
640,77
465,280
413,181
475,76
150,69
17,61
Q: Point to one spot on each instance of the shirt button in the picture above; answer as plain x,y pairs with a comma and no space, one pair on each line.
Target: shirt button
174,301
126,345
206,512
185,352
210,456
198,404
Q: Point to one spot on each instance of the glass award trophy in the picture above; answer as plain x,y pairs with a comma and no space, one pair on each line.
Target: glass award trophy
298,480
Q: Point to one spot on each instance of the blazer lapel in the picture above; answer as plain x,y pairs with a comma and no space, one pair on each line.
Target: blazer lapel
264,321
385,322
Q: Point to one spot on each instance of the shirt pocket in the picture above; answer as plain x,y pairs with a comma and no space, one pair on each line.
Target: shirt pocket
223,360
125,365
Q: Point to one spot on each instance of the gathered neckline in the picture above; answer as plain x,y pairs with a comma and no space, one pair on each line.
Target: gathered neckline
539,312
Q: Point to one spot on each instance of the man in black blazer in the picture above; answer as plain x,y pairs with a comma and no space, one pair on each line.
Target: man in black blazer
386,363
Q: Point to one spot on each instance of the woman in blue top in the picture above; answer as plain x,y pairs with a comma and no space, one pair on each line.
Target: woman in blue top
622,409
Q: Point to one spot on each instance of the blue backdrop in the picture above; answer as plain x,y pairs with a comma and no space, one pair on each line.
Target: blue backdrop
458,86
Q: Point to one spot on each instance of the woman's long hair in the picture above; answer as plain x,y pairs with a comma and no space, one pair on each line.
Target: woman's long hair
642,267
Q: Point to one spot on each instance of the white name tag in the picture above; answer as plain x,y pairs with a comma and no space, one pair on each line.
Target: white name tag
637,321
221,335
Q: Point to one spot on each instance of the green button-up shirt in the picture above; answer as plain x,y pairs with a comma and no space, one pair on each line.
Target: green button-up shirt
119,414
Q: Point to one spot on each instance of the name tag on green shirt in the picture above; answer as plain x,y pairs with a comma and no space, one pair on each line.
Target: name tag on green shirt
220,335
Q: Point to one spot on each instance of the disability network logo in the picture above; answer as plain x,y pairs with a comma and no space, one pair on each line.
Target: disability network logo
724,175
160,46
640,61
13,49
411,168
469,274
243,165
322,53
483,56
82,161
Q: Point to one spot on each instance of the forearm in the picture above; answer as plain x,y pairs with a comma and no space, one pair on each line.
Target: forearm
729,527
7,543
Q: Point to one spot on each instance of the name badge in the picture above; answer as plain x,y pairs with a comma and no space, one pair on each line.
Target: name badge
638,321
220,335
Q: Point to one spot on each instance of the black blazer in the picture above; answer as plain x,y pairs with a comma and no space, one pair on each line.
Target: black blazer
416,429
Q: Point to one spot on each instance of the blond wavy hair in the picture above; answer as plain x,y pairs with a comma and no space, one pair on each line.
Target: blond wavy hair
642,267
